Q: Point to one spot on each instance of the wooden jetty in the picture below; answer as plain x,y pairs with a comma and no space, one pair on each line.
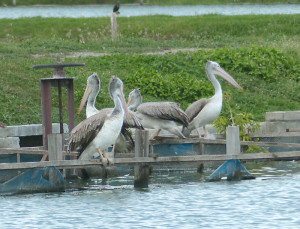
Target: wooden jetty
144,156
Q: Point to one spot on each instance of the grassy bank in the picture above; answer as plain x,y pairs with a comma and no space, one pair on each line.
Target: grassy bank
261,52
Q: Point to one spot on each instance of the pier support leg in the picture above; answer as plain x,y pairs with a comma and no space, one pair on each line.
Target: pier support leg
232,169
55,148
141,172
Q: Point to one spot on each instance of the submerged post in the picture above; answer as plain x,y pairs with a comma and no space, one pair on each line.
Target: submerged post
141,172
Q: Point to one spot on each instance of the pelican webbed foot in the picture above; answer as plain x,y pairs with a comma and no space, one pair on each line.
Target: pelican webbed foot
107,158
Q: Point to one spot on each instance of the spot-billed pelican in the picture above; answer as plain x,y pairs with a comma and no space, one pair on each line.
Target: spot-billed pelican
205,111
92,90
101,130
158,115
131,121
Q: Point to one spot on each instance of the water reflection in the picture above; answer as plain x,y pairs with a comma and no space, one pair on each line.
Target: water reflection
137,10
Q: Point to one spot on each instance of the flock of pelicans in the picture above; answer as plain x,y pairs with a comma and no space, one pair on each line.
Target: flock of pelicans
109,126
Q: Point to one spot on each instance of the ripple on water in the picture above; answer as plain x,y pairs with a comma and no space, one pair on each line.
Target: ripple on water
178,200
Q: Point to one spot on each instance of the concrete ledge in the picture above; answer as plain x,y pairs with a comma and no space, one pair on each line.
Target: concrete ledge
283,116
28,130
10,142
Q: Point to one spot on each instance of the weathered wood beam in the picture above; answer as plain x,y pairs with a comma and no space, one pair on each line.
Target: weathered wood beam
291,155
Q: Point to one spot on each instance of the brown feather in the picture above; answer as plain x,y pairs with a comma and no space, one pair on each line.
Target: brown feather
164,110
194,109
87,130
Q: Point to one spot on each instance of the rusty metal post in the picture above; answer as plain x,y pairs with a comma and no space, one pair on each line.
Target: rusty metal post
59,80
71,108
46,110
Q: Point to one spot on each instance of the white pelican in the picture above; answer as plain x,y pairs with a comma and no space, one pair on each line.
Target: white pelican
101,130
158,115
205,111
91,92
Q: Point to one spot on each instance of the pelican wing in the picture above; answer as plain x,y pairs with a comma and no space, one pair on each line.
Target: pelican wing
132,121
164,110
194,109
87,130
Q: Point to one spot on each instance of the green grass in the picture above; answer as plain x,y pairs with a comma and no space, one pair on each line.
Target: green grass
227,39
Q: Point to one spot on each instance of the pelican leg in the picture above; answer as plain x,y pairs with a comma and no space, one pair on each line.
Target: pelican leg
155,134
205,132
103,158
198,131
207,135
176,132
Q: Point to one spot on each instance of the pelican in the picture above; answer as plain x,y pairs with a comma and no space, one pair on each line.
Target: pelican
101,130
91,92
205,111
158,115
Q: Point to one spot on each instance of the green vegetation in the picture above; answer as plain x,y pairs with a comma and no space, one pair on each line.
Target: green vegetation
261,52
152,2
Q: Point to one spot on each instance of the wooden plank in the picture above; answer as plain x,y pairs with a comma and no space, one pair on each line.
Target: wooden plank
44,157
21,151
218,141
291,155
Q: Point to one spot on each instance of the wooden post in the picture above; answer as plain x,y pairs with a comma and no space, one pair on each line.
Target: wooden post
114,26
199,147
141,172
14,2
55,149
233,144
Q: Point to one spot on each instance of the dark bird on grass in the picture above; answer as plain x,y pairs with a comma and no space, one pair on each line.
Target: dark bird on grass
116,7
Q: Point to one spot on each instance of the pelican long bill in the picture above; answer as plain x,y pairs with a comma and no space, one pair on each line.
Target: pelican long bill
221,72
85,96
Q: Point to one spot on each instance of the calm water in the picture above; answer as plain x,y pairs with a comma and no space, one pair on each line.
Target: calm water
173,200
136,10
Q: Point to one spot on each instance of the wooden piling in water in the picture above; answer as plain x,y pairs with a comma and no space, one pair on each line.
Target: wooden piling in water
233,144
55,147
141,171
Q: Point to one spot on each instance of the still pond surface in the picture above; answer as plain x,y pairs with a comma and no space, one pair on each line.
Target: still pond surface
181,199
137,10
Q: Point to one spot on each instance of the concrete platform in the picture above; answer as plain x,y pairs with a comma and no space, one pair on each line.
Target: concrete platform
10,136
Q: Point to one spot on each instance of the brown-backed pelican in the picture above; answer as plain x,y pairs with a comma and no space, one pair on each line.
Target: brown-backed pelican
158,115
101,130
205,111
91,92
